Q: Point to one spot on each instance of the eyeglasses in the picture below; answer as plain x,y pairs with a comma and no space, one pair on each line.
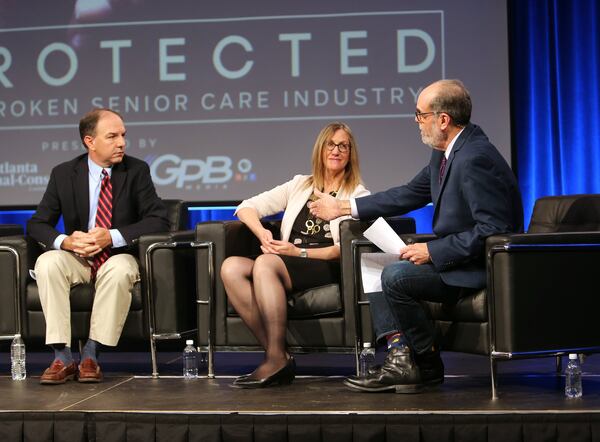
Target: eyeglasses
342,147
420,116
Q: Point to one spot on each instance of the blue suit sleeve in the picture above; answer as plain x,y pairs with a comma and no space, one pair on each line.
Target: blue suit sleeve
397,200
486,193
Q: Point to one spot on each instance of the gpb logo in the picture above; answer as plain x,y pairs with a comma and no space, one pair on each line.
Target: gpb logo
216,169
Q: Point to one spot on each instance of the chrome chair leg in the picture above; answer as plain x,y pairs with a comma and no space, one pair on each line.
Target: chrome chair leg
558,364
153,355
494,377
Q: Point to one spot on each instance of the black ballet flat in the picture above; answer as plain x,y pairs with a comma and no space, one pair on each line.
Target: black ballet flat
241,378
291,362
283,376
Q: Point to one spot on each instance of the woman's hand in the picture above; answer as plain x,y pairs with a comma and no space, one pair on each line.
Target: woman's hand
282,248
266,240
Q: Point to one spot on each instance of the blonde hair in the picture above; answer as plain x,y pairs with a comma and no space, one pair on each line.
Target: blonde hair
352,176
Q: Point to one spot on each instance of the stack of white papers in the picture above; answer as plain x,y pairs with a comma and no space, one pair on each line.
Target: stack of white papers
371,264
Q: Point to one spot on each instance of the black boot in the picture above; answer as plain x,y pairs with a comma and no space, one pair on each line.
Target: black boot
431,367
398,373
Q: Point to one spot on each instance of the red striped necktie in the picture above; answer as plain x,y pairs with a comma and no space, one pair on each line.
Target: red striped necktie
103,219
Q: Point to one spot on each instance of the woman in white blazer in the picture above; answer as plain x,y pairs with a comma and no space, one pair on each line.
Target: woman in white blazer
306,256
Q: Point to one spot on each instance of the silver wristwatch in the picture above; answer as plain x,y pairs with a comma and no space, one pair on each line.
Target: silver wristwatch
303,253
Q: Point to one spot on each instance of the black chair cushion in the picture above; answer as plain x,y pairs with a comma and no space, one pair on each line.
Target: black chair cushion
470,307
82,298
317,302
313,303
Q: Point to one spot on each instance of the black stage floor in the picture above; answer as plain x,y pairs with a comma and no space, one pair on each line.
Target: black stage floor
530,393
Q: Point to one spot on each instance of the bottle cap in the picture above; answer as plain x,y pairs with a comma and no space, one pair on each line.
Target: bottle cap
367,345
572,355
189,342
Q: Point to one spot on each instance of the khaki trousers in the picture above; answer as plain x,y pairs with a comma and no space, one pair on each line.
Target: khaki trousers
57,271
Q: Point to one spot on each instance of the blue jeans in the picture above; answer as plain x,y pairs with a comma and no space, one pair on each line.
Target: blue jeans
398,309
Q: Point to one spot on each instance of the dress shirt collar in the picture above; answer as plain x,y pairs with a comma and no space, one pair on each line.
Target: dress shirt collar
451,145
96,171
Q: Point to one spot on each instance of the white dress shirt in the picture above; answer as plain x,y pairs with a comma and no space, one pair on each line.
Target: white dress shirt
95,184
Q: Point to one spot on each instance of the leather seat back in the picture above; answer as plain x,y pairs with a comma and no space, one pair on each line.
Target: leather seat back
567,213
81,298
317,302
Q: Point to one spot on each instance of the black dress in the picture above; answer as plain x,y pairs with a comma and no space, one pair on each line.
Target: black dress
310,232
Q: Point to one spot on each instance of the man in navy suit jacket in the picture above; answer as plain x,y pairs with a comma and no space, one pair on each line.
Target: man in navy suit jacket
475,195
74,191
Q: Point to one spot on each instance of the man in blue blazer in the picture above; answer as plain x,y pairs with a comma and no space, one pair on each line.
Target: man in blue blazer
475,195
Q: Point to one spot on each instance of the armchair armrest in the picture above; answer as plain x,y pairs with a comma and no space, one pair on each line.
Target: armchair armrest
532,280
211,300
352,245
167,267
229,238
14,262
178,238
415,238
235,238
557,240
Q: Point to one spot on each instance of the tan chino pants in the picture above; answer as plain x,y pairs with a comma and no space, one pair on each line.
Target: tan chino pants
58,270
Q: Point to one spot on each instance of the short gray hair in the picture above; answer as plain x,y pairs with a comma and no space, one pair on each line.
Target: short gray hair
453,98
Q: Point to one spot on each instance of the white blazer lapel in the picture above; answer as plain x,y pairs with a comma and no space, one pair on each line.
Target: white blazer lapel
296,203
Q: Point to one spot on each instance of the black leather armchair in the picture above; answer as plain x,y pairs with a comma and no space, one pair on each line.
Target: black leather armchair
542,288
171,294
320,319
541,298
11,229
8,281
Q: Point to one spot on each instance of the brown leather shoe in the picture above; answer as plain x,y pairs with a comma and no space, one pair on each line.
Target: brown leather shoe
89,371
58,373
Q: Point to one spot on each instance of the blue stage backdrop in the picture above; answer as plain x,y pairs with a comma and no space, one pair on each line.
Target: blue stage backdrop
200,214
555,54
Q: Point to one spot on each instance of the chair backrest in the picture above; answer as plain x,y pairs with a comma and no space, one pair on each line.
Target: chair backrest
11,229
177,213
567,213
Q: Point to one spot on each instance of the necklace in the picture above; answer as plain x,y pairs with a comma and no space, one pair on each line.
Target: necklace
313,224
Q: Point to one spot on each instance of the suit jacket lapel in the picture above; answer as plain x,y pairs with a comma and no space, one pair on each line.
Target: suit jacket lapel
457,146
81,191
118,177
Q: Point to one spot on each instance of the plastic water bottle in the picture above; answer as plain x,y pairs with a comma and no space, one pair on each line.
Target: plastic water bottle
366,359
190,360
573,378
17,359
